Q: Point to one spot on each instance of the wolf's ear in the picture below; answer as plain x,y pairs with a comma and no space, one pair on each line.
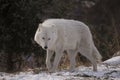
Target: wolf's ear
53,25
54,28
39,26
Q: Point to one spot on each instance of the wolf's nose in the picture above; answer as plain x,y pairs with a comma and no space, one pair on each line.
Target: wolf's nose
45,47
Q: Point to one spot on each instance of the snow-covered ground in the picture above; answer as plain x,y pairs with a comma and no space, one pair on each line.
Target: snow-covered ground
81,73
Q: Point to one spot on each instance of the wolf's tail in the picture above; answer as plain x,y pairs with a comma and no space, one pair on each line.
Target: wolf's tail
96,54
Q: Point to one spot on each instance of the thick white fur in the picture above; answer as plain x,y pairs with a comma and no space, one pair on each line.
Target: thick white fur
66,35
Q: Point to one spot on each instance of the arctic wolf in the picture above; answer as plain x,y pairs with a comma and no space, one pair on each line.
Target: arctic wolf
59,35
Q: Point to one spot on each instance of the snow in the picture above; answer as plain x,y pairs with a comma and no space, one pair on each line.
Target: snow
81,73
113,61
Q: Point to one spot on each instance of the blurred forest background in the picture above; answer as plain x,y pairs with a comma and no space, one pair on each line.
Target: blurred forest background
19,20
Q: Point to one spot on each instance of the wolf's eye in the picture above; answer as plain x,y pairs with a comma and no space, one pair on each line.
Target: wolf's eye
48,38
43,38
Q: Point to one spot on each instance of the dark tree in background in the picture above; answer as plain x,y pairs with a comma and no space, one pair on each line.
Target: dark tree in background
19,20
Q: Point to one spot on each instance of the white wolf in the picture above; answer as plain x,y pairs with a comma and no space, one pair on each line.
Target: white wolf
59,35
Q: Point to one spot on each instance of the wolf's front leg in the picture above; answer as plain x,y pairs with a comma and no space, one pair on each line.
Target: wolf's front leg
58,55
48,59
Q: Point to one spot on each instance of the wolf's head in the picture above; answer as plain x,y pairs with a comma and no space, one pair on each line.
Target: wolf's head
46,36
